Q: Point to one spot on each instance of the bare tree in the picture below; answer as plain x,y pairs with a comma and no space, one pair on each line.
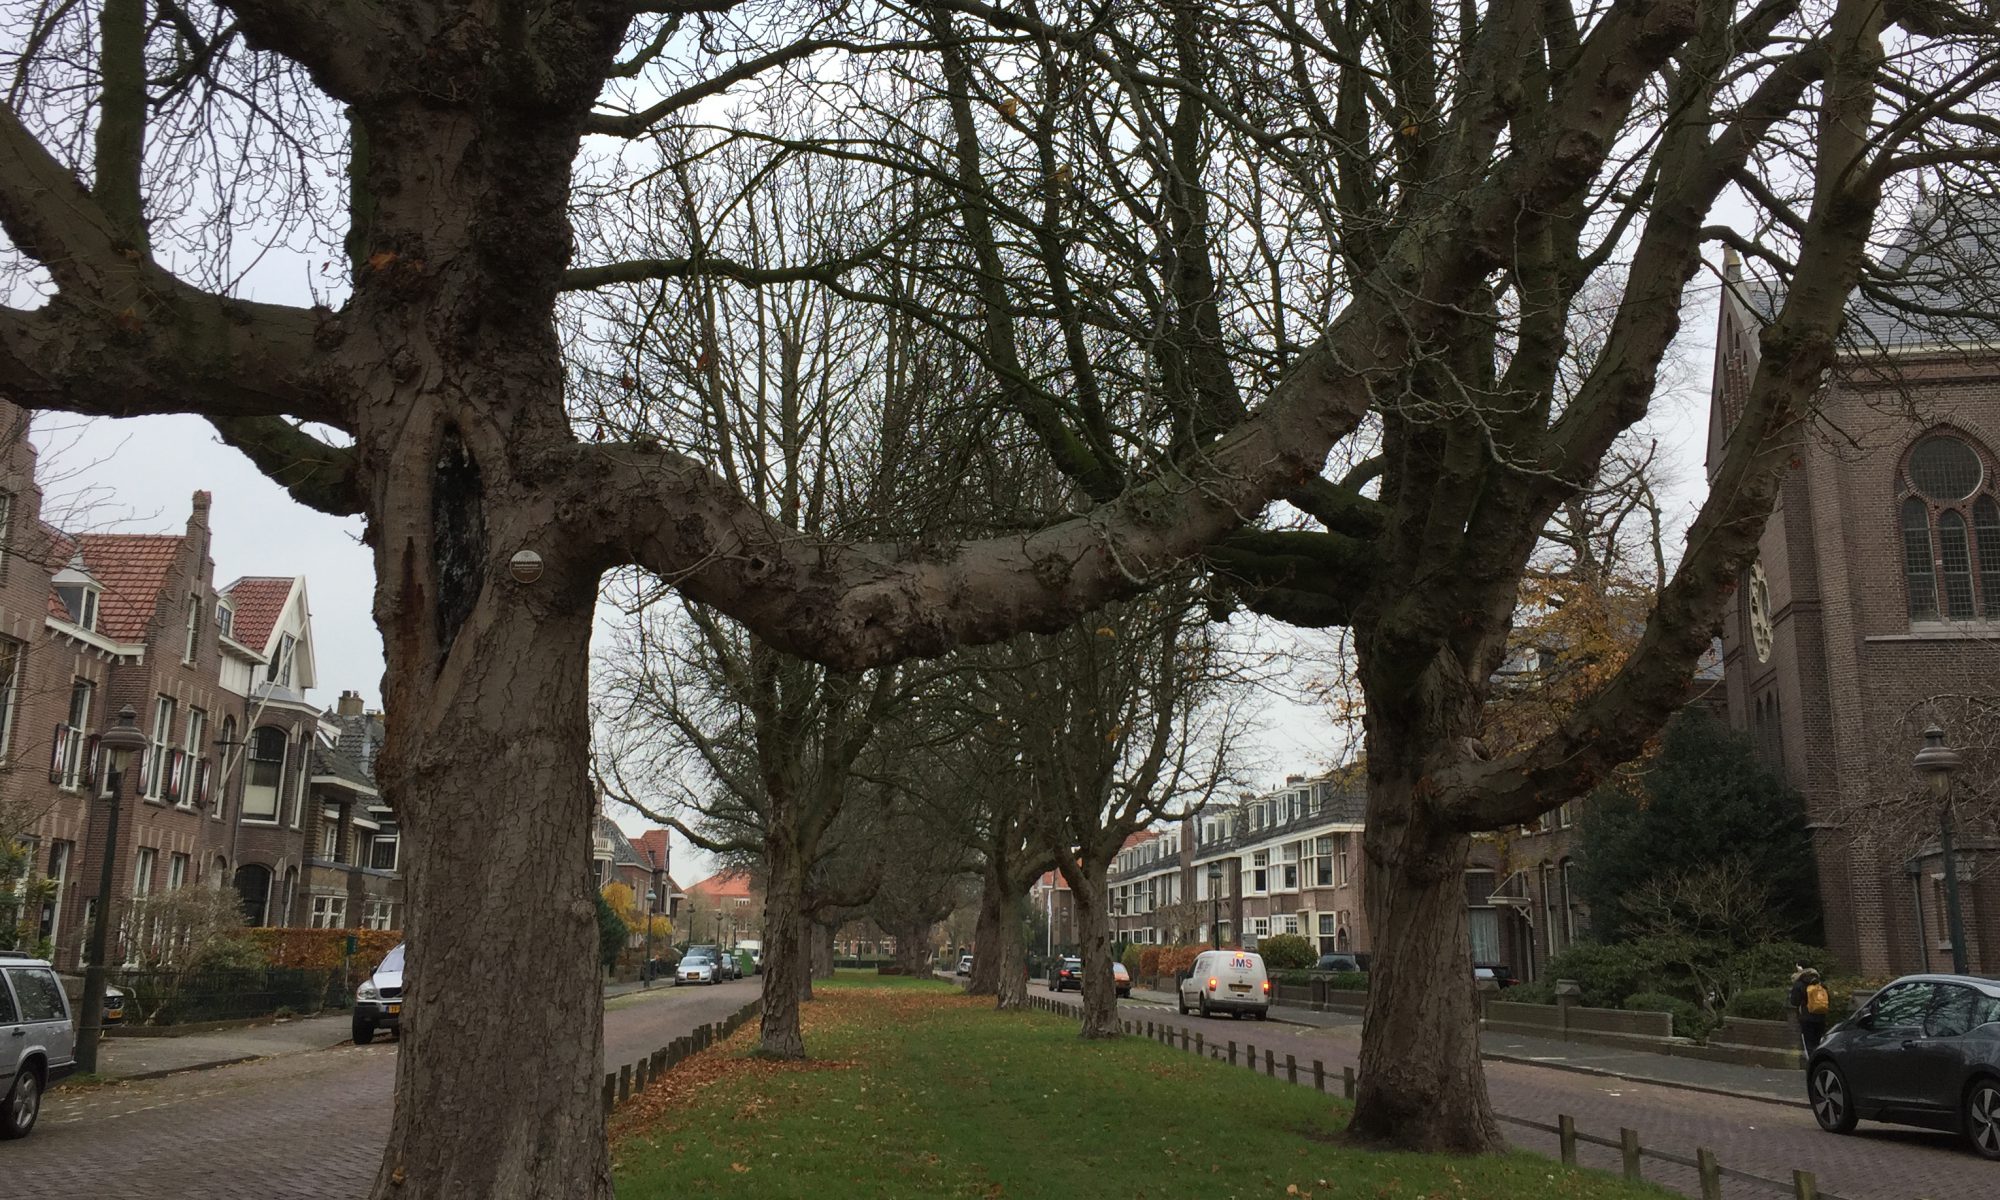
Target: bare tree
1408,198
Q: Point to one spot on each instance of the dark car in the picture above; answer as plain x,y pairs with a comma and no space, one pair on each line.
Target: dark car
1067,973
1925,1051
1337,963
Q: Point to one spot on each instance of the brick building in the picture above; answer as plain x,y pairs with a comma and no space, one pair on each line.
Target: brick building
226,793
1877,587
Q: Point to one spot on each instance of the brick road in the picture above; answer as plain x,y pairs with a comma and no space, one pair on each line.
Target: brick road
1878,1162
307,1125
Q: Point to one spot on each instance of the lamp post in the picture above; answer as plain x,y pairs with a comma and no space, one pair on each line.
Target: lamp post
646,975
1215,905
1935,764
119,742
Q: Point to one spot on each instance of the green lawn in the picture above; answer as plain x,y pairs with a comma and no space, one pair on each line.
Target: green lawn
921,1092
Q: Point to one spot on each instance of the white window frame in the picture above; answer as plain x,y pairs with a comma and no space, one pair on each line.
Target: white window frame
197,730
78,722
10,684
329,912
277,789
86,601
177,872
225,619
395,842
192,649
142,871
158,743
329,836
61,853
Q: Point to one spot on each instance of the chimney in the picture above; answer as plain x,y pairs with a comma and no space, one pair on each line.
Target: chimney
1292,779
350,704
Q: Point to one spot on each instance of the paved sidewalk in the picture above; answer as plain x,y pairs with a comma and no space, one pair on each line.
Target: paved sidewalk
1772,1084
149,1057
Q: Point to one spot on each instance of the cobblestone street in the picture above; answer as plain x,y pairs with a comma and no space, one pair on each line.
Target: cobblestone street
306,1125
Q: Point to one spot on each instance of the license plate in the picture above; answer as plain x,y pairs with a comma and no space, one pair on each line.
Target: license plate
395,1010
1239,987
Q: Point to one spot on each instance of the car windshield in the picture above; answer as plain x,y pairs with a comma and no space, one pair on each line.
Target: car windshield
700,954
392,962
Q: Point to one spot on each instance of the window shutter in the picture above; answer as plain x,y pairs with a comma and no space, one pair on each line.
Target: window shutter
172,785
201,784
90,753
56,747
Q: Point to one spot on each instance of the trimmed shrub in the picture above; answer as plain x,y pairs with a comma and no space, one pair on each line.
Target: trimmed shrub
1135,958
1771,964
1688,1020
1149,962
1542,991
1294,976
1607,974
1286,952
1763,1004
1177,960
1345,981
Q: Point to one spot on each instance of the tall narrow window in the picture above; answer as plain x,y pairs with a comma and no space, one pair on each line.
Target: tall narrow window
80,693
191,758
157,767
1955,557
265,776
1986,533
193,646
1917,560
10,690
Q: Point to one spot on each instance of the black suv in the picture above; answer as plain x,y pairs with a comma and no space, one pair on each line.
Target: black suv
1925,1051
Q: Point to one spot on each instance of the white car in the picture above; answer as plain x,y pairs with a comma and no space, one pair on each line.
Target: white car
701,964
378,1003
1231,981
37,1042
965,964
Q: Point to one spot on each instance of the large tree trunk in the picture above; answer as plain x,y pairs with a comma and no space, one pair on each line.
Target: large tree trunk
1100,993
1421,1084
1010,939
498,889
913,948
787,966
822,950
987,934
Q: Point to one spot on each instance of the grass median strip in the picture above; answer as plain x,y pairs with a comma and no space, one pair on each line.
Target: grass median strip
919,1091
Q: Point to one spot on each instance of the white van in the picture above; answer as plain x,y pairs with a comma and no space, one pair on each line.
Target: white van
1231,981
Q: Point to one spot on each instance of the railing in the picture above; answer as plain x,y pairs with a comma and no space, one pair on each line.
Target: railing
182,997
631,1079
1802,1186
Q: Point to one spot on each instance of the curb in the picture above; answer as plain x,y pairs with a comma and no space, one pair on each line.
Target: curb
1652,1080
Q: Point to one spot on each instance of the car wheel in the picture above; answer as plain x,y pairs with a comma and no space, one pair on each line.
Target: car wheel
1263,1014
1982,1117
1832,1103
22,1106
1180,998
1204,1004
363,1033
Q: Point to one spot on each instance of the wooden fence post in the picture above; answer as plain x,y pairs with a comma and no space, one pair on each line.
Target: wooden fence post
1628,1144
639,1076
1184,1039
1250,1049
1804,1186
1566,1136
610,1092
1291,1069
1198,1048
624,1083
1270,1063
1711,1177
1347,1083
1232,1053
1319,1077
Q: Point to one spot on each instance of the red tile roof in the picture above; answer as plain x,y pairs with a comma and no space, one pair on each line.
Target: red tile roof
723,885
1144,835
654,842
133,567
259,600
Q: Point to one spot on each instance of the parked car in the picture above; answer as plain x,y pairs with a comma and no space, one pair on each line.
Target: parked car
378,1002
1925,1051
1121,979
37,1041
1337,963
1231,981
114,997
1500,973
965,964
1066,973
701,964
754,950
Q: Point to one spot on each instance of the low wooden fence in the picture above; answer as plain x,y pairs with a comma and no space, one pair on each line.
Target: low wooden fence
1633,1151
631,1079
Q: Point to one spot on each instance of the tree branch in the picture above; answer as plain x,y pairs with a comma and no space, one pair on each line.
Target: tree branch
316,474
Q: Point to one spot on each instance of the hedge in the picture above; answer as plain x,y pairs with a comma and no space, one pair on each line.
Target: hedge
325,949
1136,959
1688,1020
1287,951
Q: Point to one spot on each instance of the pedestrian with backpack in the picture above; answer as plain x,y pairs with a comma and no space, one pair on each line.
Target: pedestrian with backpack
1810,1001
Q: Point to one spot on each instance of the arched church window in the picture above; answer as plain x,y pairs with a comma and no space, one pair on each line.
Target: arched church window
1951,531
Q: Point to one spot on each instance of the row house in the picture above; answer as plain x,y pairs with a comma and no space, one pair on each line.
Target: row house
1150,902
1290,862
93,622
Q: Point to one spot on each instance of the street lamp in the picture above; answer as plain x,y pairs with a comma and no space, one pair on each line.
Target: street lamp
119,742
1935,764
646,975
1215,906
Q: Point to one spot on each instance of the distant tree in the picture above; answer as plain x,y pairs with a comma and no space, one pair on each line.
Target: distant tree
611,933
1705,799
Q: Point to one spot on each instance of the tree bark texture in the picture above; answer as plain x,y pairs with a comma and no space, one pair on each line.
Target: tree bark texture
787,961
1100,993
822,951
913,948
986,936
1011,952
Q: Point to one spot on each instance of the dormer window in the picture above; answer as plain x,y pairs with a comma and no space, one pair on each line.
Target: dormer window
280,670
80,599
225,620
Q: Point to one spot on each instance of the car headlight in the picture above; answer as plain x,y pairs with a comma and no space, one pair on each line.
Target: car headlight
367,992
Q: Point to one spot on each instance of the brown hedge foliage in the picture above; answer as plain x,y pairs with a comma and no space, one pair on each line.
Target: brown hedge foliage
1149,961
322,949
1176,959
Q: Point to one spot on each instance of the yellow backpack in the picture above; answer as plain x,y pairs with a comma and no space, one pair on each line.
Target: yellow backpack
1816,1000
